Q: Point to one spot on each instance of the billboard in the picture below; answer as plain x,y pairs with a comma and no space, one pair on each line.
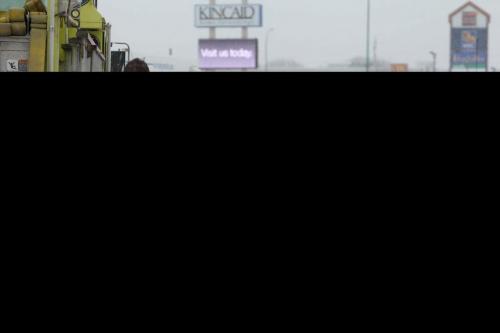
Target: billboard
230,16
469,48
228,53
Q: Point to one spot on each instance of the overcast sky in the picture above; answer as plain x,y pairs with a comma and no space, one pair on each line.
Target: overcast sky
313,32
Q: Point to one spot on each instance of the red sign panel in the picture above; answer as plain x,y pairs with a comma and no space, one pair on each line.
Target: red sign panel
469,19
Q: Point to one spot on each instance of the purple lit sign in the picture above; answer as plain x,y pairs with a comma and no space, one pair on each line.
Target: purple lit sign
228,53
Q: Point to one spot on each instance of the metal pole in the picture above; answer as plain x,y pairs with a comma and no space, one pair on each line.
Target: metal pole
267,48
368,19
487,50
83,68
108,55
477,54
244,30
52,19
212,31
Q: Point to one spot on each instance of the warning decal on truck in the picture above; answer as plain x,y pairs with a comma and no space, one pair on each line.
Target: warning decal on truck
14,65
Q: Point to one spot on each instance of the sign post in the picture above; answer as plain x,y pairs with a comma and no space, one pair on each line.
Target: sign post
244,30
212,29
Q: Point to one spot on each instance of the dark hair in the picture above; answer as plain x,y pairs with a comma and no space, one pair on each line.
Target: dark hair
137,65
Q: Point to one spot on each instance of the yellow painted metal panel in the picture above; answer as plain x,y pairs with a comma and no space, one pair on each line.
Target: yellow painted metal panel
90,18
38,48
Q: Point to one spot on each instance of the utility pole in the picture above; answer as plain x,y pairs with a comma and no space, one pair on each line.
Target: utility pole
368,23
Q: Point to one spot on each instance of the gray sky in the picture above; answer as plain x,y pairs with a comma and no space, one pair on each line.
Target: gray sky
313,32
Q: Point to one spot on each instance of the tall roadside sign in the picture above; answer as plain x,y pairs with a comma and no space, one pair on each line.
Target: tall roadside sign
469,38
234,53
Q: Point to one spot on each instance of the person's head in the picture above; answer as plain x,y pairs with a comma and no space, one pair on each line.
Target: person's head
137,65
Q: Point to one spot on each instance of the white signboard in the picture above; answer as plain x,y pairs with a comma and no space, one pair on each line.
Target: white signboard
232,16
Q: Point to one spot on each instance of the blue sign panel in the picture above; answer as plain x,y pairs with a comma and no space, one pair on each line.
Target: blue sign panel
469,48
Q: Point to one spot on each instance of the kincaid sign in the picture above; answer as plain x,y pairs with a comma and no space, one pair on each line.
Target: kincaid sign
233,16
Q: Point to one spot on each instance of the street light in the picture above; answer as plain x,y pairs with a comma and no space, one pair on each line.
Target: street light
368,18
267,48
434,56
